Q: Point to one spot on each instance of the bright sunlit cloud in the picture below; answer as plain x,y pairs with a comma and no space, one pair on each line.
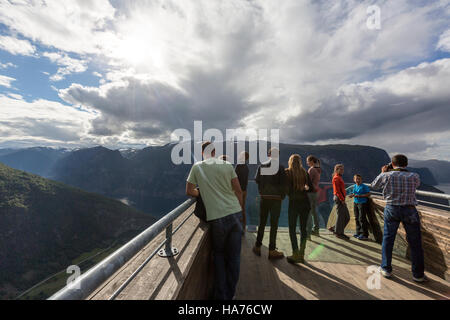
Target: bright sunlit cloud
310,68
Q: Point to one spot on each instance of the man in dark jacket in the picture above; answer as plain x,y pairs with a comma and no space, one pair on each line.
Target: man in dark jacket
272,189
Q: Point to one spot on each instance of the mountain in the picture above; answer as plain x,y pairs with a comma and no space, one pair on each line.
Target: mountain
439,169
38,160
426,177
148,180
6,151
96,169
151,182
46,225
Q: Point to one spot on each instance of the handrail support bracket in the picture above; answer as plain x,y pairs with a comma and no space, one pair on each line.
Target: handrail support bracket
169,250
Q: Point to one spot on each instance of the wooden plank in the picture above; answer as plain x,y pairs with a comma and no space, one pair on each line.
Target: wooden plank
161,278
262,279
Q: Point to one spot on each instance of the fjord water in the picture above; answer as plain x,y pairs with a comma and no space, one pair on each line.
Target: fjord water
445,187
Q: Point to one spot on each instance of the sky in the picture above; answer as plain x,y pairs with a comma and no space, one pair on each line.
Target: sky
80,73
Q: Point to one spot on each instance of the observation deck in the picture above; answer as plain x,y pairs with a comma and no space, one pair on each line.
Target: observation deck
334,268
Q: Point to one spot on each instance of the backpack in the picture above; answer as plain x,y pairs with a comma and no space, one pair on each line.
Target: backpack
200,210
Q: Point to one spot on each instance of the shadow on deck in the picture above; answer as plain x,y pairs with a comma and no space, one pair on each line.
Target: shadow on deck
334,269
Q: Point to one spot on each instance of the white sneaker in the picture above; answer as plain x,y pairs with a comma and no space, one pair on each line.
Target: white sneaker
384,273
421,280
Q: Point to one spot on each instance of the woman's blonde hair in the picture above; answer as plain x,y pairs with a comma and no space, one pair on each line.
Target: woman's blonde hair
297,173
337,167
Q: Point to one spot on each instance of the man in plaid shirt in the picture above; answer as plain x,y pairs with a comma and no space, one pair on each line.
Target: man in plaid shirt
399,190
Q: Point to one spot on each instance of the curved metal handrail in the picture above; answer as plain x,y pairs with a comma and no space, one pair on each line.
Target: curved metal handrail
94,277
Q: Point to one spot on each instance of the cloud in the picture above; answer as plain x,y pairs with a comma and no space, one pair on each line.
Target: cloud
16,46
69,25
15,96
313,69
412,101
41,120
7,65
150,109
67,65
6,81
444,41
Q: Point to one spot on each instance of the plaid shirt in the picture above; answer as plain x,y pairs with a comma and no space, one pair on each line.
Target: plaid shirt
399,187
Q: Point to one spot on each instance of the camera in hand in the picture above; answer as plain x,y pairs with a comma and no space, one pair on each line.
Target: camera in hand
390,167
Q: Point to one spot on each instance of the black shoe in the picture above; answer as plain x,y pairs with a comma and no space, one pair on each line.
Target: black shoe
331,229
422,279
342,236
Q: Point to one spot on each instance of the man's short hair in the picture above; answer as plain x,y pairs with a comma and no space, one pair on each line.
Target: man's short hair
357,175
205,145
400,161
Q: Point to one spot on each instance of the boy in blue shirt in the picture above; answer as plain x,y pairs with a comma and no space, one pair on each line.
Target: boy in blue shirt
361,194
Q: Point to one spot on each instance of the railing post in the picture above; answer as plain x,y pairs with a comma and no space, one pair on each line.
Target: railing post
168,251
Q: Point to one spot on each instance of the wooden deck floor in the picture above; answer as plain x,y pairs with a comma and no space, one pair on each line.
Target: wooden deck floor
334,269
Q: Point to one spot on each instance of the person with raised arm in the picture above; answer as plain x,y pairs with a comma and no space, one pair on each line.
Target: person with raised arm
399,190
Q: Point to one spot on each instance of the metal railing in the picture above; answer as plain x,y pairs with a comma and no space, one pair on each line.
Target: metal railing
82,287
426,194
429,194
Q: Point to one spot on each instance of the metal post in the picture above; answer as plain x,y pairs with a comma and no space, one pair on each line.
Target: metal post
168,251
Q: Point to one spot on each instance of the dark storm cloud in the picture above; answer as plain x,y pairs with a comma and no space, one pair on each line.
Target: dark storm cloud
151,107
383,106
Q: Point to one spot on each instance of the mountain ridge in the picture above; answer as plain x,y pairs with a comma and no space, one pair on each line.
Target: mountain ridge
45,224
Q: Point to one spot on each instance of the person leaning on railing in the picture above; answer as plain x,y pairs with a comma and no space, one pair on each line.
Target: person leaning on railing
222,196
343,216
399,190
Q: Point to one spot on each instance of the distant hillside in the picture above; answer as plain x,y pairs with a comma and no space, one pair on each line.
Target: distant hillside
97,170
39,161
6,151
151,182
45,225
439,169
426,177
148,180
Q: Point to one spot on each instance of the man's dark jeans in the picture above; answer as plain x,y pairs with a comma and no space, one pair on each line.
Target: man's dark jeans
361,212
226,238
409,216
274,208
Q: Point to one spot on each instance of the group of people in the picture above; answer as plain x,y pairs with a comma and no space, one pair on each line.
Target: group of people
223,191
